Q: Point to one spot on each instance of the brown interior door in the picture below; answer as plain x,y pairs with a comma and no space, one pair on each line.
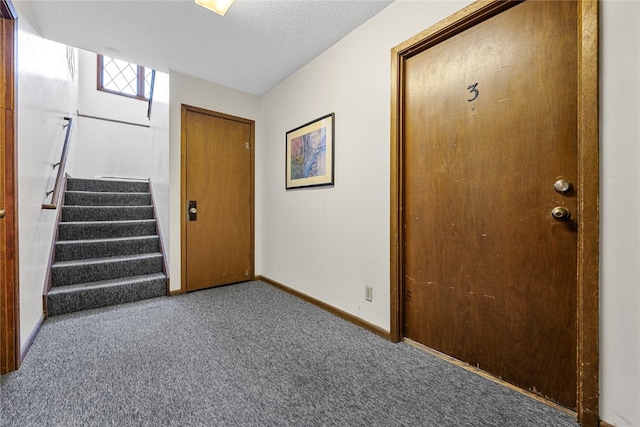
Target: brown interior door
490,127
9,316
218,174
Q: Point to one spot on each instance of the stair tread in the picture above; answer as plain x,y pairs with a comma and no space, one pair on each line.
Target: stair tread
127,221
108,198
106,240
105,283
119,193
107,206
105,260
109,180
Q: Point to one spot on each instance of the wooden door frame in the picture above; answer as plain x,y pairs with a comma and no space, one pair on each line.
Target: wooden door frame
9,284
587,347
183,186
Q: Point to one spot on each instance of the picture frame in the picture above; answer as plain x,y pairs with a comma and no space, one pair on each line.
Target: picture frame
309,154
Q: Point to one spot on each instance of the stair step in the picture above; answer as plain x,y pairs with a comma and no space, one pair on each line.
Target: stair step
108,248
93,198
83,230
69,250
105,213
66,273
107,185
85,296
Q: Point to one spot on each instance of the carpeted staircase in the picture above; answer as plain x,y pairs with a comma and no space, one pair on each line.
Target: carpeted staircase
108,249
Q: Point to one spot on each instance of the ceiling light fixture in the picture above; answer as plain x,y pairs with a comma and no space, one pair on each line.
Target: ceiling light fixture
218,6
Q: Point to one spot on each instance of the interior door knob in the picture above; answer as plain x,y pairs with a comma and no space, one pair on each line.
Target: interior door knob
2,213
193,210
560,213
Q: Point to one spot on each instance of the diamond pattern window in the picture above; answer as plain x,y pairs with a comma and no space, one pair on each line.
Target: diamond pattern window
123,78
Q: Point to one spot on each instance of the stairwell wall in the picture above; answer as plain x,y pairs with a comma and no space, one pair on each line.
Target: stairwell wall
104,148
47,92
159,174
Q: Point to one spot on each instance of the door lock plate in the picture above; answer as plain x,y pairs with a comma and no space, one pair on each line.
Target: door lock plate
192,210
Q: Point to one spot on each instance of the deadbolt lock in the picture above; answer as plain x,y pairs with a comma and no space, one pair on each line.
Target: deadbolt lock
562,186
192,209
560,213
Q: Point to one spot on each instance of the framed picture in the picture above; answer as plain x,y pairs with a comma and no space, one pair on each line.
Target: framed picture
309,154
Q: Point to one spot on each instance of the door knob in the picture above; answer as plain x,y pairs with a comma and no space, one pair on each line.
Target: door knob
560,213
2,213
193,210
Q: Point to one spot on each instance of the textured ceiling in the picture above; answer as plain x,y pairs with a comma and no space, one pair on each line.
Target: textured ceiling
255,46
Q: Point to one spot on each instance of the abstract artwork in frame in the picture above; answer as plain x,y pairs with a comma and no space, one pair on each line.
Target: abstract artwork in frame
309,154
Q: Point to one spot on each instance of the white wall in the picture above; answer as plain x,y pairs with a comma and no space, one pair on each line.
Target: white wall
620,213
198,93
46,94
330,242
105,148
159,172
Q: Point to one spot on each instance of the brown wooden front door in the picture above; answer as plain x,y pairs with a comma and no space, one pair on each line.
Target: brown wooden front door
490,125
218,179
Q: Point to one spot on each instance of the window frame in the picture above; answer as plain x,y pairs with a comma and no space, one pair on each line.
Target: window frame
140,80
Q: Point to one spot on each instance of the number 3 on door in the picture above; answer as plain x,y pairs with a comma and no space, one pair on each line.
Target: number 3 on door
474,90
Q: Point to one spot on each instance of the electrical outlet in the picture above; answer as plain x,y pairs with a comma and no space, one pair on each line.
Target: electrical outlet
368,293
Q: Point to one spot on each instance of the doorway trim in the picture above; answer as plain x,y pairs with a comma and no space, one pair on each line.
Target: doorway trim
9,283
587,347
183,186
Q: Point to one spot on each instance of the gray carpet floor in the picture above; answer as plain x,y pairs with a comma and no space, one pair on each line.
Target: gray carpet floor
244,355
